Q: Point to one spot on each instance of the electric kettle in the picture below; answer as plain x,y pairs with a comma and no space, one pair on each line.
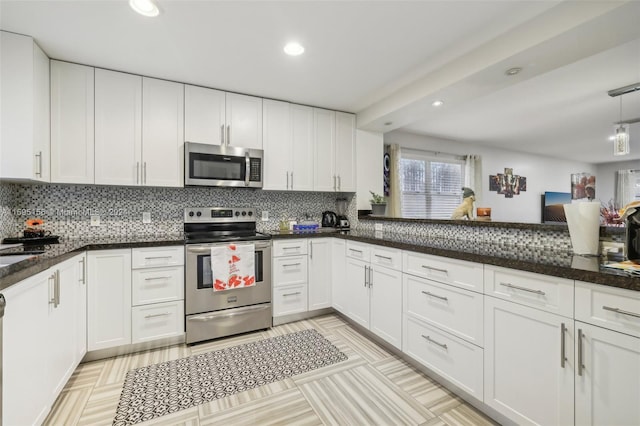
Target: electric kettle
329,219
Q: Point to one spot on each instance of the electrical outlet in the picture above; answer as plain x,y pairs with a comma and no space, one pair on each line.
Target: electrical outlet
146,217
378,227
95,220
265,215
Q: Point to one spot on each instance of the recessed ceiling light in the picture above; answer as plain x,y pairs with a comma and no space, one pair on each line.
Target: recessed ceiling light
612,138
144,7
293,49
513,71
437,103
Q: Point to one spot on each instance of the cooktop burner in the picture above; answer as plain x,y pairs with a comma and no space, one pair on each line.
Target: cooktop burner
219,224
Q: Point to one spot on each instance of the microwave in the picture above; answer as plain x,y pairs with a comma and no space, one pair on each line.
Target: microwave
221,165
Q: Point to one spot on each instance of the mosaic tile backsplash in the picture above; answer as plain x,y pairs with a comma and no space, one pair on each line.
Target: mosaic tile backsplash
67,209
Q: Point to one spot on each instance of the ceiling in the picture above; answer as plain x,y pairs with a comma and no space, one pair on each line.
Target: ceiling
385,60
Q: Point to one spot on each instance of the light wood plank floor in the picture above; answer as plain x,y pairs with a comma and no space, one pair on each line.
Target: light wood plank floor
373,387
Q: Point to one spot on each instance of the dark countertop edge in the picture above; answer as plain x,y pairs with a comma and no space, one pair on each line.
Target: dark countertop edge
489,224
19,271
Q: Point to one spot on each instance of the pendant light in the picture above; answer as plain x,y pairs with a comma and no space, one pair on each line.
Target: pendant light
621,137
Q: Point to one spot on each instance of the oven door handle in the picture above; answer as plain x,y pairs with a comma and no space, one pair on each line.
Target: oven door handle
229,313
207,249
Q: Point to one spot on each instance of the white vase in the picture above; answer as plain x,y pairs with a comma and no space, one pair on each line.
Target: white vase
379,209
583,220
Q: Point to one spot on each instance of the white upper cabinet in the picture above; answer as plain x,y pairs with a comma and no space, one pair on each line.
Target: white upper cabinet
324,178
345,155
288,146
244,121
118,124
24,90
72,123
204,115
162,133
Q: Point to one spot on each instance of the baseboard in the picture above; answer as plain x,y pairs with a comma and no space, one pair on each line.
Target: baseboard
132,348
301,316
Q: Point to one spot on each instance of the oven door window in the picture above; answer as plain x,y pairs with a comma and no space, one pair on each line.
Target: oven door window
205,277
216,167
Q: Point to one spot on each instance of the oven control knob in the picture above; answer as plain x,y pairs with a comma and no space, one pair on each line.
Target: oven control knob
199,214
190,214
244,213
237,213
250,214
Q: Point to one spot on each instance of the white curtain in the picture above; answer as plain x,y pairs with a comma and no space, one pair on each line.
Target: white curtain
625,187
394,204
473,175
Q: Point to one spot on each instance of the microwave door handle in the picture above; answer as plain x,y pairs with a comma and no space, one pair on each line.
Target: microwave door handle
247,168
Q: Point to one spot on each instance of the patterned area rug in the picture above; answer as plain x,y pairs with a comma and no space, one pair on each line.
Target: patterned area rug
164,388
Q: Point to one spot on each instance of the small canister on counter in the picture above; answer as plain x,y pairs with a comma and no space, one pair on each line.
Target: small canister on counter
483,213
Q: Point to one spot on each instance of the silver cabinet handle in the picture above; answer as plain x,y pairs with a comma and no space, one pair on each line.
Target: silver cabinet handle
429,339
228,134
57,278
137,173
291,180
247,169
563,353
144,174
434,295
222,134
39,168
291,264
365,276
370,277
620,311
158,315
157,278
52,299
339,183
157,257
291,294
383,257
287,180
310,249
580,353
84,271
540,292
357,251
291,248
444,271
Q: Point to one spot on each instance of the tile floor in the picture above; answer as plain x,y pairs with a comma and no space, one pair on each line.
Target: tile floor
373,387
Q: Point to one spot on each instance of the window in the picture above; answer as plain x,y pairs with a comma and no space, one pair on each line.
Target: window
431,185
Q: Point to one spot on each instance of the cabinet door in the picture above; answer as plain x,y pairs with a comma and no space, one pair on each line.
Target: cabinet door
41,115
162,133
608,385
302,148
109,299
290,270
320,273
244,121
62,327
81,307
204,111
25,381
72,123
357,277
118,128
525,377
339,291
157,321
345,157
324,176
276,140
386,304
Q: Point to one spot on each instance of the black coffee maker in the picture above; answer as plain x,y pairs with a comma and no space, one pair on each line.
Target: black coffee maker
632,243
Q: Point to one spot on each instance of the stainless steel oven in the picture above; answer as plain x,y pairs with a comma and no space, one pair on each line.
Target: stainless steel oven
222,165
212,314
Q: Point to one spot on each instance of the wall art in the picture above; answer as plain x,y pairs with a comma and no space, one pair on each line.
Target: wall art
507,183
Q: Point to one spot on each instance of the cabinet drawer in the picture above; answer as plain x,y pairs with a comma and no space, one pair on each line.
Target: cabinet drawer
157,321
359,251
459,273
289,247
452,358
613,308
452,309
544,292
387,257
288,300
151,257
289,270
155,285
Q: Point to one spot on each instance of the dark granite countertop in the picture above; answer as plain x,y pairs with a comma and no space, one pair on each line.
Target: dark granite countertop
542,260
56,253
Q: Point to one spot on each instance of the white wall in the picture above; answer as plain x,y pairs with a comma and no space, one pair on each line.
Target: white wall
606,178
542,173
369,152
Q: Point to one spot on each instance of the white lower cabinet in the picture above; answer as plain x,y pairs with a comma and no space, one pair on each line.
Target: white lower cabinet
290,277
357,276
157,321
41,340
289,299
608,377
386,304
339,289
528,363
320,273
454,359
